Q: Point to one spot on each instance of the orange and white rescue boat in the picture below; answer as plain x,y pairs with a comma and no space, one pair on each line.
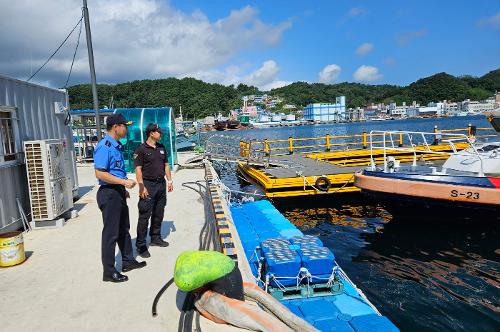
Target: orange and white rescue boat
466,185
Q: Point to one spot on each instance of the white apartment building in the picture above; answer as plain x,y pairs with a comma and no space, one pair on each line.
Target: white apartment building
397,111
472,106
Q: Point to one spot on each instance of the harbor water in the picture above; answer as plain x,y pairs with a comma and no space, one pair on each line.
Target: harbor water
424,274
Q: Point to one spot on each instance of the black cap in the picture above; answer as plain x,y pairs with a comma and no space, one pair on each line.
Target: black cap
116,119
153,127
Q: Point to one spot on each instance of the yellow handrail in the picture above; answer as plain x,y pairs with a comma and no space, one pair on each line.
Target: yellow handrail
328,141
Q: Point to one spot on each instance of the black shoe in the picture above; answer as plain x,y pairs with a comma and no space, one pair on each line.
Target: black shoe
143,252
132,266
158,243
115,277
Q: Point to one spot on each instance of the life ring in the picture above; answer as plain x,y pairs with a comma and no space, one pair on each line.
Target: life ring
323,183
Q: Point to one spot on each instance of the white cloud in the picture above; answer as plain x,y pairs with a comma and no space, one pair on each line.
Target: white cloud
403,39
364,49
329,74
367,73
264,75
227,76
275,84
493,21
133,39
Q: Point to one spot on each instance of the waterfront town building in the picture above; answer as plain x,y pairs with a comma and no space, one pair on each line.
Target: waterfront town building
326,112
474,107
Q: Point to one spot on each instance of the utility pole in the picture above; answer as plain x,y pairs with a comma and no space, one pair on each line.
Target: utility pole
92,70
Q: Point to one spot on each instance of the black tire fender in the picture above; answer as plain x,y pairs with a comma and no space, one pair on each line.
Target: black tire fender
323,183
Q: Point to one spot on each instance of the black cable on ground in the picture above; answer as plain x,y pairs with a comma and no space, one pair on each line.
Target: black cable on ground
188,312
208,235
164,288
186,317
197,320
157,297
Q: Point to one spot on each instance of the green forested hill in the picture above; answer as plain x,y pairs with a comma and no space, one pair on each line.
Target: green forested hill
433,88
201,99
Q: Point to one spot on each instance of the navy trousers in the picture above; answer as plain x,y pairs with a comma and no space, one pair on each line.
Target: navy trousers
112,202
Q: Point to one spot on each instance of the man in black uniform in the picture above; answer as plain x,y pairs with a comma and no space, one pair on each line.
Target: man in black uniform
111,199
151,167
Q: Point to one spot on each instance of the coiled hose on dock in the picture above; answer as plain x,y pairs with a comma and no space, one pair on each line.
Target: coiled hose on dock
207,238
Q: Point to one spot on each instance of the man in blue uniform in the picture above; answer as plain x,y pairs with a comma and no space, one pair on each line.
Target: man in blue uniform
151,168
111,199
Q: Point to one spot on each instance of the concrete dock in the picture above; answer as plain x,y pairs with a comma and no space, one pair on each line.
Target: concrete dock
60,287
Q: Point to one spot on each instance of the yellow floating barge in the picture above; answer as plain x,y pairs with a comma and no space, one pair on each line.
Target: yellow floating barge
329,164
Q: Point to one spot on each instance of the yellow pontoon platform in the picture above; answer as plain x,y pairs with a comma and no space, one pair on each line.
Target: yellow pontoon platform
291,172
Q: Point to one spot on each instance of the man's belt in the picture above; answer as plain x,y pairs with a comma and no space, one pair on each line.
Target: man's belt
159,179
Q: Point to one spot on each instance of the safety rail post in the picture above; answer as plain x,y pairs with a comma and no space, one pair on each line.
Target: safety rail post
249,146
364,140
471,130
290,145
266,147
400,139
436,141
242,148
328,142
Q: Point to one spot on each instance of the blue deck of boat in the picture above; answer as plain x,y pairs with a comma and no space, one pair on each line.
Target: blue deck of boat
348,311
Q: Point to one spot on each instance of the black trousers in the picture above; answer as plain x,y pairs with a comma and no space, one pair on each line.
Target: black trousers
151,207
113,205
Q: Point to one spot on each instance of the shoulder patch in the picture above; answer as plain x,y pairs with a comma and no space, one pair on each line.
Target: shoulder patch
107,143
135,155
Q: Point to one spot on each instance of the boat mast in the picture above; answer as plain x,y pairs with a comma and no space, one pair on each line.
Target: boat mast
92,69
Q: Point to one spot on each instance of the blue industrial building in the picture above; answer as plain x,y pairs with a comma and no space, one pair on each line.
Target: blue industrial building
326,112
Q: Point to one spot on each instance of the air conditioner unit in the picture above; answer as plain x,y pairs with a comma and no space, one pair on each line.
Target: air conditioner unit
49,181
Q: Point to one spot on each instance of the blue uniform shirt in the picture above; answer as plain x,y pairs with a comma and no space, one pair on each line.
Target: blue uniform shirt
108,157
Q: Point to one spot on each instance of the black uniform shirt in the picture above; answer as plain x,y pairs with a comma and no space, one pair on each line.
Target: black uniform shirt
152,160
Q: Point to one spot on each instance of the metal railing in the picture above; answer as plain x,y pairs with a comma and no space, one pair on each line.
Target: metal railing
419,145
275,147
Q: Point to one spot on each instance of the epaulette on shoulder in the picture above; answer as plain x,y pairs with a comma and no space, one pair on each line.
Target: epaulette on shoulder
107,143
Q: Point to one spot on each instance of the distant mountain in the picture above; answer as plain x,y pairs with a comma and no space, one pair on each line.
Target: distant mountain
437,87
200,99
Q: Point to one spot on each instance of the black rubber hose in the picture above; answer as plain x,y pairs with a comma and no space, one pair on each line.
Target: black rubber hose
208,235
197,321
200,238
186,318
157,297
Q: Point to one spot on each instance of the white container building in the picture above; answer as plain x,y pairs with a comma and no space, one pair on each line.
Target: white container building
28,112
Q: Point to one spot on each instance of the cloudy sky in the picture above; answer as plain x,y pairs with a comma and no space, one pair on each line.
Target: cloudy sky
263,43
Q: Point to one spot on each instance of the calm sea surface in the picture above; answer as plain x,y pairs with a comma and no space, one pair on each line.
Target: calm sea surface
427,275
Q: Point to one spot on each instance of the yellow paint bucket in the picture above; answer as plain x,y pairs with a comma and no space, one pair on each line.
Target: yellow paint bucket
11,249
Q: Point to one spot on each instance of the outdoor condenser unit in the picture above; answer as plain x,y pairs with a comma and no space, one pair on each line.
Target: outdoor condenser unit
48,170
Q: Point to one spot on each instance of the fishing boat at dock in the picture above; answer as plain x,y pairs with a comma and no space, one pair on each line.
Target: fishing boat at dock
466,185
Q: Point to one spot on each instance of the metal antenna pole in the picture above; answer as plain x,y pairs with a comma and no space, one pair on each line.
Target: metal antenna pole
92,70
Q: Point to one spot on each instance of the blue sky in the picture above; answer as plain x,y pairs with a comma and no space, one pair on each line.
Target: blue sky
411,39
263,43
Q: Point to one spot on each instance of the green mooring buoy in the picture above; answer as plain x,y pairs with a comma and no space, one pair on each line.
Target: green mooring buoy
194,269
